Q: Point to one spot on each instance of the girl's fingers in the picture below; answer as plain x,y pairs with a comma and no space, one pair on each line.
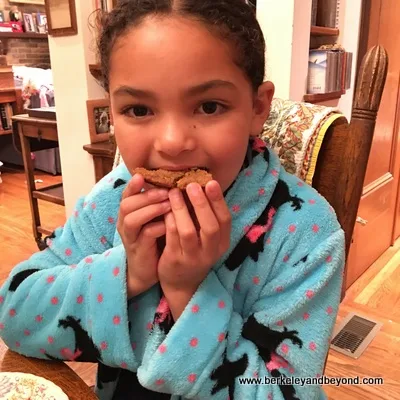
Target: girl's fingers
221,212
172,236
134,186
134,221
150,233
209,225
189,240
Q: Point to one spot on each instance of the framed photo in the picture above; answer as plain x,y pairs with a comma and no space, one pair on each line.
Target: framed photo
41,2
28,23
100,120
61,17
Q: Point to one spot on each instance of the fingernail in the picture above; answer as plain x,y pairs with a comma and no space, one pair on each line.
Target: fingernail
175,196
193,189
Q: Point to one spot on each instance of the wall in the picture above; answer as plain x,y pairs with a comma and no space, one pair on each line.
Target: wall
73,86
25,51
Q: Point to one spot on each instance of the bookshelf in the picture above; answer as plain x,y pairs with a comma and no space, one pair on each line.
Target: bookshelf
12,97
320,97
323,31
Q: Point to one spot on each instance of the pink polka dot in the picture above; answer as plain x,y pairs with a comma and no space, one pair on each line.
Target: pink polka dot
38,318
280,323
133,344
313,346
195,308
318,376
124,365
88,260
79,299
256,280
1,326
279,289
12,312
291,370
309,294
312,201
192,378
104,345
286,258
84,204
249,172
73,266
100,298
285,348
17,344
90,277
306,315
49,242
269,240
162,349
274,172
117,320
237,287
261,192
194,342
329,310
329,259
292,228
269,396
221,337
50,339
300,184
236,208
160,382
68,252
76,213
107,253
315,228
110,220
43,351
149,326
116,271
255,374
1,299
237,344
50,279
221,304
54,300
111,180
27,332
103,240
93,206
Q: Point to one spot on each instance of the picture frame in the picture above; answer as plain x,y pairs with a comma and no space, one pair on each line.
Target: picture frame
61,17
35,2
100,120
28,22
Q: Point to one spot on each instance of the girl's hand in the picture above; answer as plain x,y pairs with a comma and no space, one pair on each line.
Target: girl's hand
189,255
139,235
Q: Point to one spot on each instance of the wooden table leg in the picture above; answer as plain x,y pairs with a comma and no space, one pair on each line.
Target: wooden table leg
30,181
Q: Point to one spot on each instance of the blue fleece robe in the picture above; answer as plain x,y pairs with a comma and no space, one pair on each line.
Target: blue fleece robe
266,309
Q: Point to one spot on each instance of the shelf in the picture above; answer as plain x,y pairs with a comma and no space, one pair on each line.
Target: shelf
23,35
95,70
323,31
320,97
53,194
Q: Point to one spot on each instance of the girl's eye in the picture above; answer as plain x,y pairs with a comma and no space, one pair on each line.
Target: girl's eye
137,111
211,107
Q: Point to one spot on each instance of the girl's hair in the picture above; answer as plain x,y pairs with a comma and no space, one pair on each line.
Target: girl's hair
232,20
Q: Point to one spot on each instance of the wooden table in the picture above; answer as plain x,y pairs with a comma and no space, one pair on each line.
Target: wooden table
57,372
38,134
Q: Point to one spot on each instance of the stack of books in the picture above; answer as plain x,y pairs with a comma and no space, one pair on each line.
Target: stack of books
329,71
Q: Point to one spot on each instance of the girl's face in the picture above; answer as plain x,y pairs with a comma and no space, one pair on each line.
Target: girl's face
179,100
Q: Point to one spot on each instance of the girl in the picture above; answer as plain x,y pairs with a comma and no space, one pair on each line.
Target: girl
253,294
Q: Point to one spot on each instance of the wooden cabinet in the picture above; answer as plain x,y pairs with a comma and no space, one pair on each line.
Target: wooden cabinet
103,157
378,224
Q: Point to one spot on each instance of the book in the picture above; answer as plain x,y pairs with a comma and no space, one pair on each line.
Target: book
317,71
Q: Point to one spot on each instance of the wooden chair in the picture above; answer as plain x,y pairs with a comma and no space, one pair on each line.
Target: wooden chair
343,158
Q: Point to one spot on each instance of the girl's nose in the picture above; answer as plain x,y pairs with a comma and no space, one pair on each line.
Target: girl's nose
174,139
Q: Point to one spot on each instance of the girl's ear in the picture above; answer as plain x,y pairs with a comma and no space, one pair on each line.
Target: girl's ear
261,107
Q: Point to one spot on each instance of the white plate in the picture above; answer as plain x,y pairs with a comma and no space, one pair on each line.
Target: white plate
19,386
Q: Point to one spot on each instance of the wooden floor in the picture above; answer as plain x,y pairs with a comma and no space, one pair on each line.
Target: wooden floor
376,295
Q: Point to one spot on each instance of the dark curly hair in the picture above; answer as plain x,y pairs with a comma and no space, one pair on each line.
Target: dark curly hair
232,20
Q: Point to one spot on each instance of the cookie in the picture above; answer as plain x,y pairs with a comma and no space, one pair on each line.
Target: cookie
172,179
